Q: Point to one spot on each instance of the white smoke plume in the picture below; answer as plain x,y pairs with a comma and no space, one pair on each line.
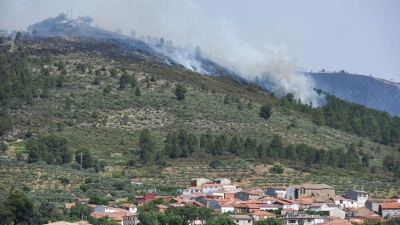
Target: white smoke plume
184,21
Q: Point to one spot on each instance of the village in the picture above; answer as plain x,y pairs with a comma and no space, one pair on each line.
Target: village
304,204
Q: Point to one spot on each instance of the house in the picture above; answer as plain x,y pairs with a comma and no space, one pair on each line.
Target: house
334,211
287,204
301,219
192,190
242,219
334,219
269,207
147,197
288,211
358,211
360,196
122,218
199,181
152,190
240,207
336,223
213,187
268,200
68,223
83,201
261,215
318,207
140,199
389,210
68,205
305,203
229,194
225,208
130,207
103,208
373,204
208,202
215,194
137,183
245,195
222,181
161,208
344,202
309,190
276,191
252,207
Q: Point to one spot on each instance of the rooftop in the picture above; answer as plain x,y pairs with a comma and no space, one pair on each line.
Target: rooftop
241,217
390,206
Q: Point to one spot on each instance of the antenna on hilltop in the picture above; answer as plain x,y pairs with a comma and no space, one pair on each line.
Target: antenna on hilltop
71,12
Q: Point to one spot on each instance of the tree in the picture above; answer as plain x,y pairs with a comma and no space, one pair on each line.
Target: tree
146,145
78,211
221,221
34,32
277,168
113,72
138,92
52,149
87,160
265,111
3,147
269,221
180,92
124,80
21,207
18,36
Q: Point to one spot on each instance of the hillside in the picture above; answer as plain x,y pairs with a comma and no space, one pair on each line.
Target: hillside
99,94
372,92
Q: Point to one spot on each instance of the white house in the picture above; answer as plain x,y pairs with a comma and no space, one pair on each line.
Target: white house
213,187
192,190
360,196
222,181
225,208
268,207
333,211
344,202
318,207
301,219
277,191
242,219
268,200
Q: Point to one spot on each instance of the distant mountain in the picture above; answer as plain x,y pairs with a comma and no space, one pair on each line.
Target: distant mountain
372,92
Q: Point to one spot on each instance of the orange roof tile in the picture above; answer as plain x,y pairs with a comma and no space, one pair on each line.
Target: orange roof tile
390,206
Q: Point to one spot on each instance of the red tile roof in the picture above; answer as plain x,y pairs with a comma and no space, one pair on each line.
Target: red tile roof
390,206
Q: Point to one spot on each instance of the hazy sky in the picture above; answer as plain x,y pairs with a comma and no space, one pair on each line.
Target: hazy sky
359,36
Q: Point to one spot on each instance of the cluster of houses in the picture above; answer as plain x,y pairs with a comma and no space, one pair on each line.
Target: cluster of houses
305,204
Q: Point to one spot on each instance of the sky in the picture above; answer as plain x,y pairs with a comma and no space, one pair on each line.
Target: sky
358,36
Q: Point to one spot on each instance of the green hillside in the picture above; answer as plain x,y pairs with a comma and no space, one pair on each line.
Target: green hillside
91,97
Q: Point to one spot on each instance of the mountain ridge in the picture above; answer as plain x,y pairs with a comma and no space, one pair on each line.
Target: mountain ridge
376,93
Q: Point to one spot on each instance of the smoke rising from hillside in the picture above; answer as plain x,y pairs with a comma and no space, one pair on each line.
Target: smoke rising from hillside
270,67
183,22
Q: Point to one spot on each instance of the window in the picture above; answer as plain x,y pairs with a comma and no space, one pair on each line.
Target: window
249,221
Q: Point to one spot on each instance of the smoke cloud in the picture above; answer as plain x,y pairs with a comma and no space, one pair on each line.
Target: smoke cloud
185,23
